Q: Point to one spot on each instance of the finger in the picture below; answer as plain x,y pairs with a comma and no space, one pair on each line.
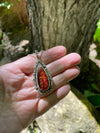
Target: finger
53,54
47,102
65,77
63,63
27,64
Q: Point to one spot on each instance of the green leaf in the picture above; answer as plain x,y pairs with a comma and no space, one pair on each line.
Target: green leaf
94,86
6,3
88,93
0,35
96,36
98,24
94,99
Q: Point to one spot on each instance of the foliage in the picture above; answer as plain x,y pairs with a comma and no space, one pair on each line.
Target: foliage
96,36
93,91
19,8
96,39
6,4
95,99
33,128
88,82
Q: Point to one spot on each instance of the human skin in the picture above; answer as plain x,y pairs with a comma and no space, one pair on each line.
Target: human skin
20,102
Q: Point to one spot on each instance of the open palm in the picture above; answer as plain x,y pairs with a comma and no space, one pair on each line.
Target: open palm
20,102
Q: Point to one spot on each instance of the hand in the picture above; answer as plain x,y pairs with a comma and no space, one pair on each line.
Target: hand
19,101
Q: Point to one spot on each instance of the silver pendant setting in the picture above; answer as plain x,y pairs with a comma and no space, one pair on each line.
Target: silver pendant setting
42,77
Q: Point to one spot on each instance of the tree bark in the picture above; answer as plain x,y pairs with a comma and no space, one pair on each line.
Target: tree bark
69,23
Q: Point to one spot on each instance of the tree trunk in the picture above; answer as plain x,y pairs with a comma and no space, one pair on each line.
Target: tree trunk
69,23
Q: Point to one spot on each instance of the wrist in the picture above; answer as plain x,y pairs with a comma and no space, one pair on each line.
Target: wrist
7,126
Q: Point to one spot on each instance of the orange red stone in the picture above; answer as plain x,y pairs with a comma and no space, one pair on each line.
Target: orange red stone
42,79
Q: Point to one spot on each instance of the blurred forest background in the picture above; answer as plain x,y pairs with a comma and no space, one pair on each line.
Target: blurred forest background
15,43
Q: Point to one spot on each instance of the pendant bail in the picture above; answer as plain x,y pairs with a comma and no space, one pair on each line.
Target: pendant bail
36,52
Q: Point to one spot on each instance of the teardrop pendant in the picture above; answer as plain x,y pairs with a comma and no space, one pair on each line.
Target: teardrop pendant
42,77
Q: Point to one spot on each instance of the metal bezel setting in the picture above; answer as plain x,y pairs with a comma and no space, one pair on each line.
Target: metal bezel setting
41,64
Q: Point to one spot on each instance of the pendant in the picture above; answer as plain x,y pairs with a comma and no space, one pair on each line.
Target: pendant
42,77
